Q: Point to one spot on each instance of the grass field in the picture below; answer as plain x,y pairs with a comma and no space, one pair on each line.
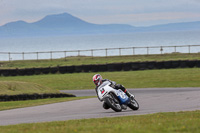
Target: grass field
161,122
188,77
29,103
16,87
187,122
81,60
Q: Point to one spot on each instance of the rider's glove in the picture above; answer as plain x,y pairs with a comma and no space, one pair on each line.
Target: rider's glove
113,84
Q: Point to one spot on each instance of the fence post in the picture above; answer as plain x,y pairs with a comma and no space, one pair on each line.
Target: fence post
37,55
174,49
51,55
189,49
106,52
161,50
23,55
119,51
9,56
92,53
133,50
65,55
78,52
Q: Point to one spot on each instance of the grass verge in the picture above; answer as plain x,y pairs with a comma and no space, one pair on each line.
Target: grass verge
29,103
188,77
16,87
84,60
187,122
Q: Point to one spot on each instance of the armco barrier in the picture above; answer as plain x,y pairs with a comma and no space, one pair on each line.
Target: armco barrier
143,66
33,96
45,70
62,69
135,65
54,70
37,71
151,65
21,72
175,64
86,68
66,69
183,63
78,69
29,71
198,63
167,64
129,66
114,67
159,65
103,68
191,64
70,69
5,72
94,68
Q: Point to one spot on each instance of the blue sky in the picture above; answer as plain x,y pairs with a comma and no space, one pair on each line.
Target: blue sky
133,12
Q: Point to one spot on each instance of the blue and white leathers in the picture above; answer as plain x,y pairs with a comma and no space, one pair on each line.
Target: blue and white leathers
104,89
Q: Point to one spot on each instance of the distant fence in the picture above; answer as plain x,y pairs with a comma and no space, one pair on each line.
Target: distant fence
9,56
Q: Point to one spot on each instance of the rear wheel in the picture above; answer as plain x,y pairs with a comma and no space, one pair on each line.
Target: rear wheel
113,102
133,104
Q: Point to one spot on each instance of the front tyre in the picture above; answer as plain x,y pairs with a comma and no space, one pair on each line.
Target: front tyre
113,103
133,104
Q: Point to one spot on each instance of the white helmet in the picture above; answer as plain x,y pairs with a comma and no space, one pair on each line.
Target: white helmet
97,79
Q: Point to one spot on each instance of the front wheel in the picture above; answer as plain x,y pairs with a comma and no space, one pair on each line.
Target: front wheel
113,103
133,104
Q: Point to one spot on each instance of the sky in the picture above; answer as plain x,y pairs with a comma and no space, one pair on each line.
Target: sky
133,12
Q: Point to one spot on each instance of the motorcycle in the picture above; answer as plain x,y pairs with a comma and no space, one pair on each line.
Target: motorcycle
115,99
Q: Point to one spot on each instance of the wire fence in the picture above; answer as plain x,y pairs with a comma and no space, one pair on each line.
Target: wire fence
9,56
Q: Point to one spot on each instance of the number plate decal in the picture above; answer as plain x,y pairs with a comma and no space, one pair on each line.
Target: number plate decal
102,90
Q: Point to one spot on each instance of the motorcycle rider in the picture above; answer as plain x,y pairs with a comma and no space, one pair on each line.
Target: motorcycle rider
98,80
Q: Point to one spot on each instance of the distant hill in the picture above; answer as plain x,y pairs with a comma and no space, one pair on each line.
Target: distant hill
184,26
66,24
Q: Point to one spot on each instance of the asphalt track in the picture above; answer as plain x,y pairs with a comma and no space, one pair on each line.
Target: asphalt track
151,100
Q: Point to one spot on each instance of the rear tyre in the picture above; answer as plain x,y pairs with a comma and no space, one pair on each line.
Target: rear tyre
113,103
133,104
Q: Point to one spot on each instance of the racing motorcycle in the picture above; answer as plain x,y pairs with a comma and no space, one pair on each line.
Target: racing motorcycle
115,99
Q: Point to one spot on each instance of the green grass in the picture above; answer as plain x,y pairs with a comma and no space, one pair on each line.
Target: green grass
16,87
83,60
188,77
28,103
187,122
162,122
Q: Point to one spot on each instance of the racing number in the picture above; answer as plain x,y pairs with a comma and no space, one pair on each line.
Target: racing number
102,90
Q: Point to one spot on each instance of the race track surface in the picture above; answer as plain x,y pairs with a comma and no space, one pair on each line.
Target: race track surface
151,100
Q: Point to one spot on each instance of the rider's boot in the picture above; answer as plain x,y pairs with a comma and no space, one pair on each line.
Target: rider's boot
129,94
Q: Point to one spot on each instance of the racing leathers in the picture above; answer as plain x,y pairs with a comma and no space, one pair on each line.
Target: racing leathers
115,86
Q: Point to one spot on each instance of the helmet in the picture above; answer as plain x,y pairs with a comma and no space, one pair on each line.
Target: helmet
97,79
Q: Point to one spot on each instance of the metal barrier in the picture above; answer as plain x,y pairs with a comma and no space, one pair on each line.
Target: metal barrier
9,56
110,67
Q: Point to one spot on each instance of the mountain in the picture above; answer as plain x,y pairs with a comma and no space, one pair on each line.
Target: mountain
184,26
65,24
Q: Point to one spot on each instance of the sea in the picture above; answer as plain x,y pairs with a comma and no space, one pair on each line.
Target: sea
31,48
